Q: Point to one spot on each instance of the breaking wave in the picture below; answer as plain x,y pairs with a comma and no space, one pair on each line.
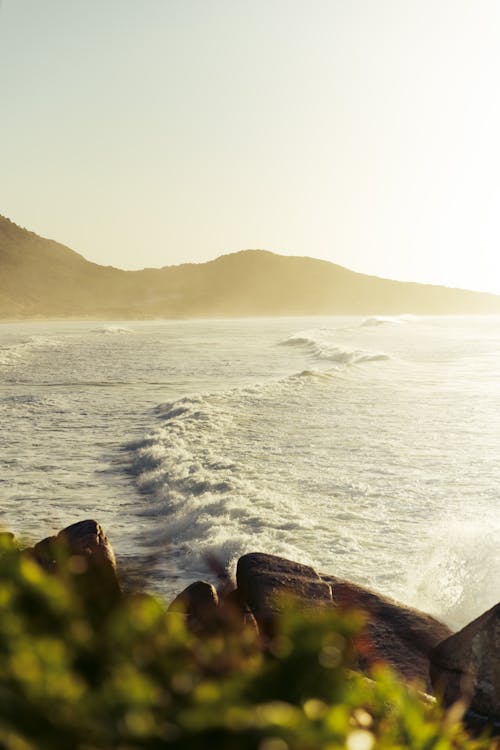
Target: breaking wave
384,320
112,330
14,353
379,321
454,579
200,470
318,346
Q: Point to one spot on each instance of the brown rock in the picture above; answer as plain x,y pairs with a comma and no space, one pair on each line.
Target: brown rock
206,613
45,553
236,612
395,634
265,579
400,636
200,603
466,666
83,551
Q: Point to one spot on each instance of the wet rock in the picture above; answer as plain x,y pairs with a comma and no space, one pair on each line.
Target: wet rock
466,666
264,580
88,538
476,724
83,551
236,611
207,613
199,602
399,636
45,553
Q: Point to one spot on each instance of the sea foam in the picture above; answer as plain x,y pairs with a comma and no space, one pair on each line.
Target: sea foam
197,473
455,574
112,330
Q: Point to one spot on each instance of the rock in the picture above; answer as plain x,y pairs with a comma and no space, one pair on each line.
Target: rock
45,553
466,666
83,550
87,538
265,579
395,634
236,611
207,613
200,603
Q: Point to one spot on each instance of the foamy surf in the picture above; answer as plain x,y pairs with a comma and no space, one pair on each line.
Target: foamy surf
388,320
112,330
453,576
210,499
376,321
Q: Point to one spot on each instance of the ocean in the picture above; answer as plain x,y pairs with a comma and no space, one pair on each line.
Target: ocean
367,447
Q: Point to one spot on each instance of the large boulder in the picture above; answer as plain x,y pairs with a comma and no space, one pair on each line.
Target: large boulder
83,551
399,636
199,602
264,581
466,666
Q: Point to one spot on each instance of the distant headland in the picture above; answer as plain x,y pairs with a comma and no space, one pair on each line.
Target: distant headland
40,278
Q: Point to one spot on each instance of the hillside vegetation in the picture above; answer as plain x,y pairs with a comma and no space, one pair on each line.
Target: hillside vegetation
42,278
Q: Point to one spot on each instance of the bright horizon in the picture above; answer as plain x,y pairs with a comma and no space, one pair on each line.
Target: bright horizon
161,133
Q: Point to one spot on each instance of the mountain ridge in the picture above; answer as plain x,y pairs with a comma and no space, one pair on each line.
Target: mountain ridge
41,278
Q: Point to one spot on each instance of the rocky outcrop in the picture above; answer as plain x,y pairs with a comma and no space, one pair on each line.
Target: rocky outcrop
264,581
395,634
466,666
400,636
418,647
83,551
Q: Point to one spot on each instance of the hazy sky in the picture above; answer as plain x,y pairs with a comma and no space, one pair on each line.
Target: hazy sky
153,132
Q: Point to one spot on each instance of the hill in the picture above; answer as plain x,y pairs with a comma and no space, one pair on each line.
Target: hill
41,278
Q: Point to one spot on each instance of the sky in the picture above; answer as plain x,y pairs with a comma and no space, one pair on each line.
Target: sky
157,132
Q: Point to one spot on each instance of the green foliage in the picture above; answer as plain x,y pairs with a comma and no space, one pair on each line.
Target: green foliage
137,678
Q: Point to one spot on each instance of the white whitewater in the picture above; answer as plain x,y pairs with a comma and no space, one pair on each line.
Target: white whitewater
366,447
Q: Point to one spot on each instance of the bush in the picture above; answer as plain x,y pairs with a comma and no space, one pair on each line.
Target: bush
137,678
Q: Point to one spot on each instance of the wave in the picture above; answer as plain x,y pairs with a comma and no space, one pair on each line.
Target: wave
298,341
112,330
31,405
380,321
204,472
321,349
12,353
388,320
454,577
314,374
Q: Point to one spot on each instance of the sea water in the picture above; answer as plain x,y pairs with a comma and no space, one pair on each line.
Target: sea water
367,447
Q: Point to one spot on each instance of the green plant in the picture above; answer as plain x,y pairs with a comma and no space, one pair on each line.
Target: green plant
136,678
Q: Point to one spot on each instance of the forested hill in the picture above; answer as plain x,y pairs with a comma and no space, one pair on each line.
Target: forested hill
40,278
